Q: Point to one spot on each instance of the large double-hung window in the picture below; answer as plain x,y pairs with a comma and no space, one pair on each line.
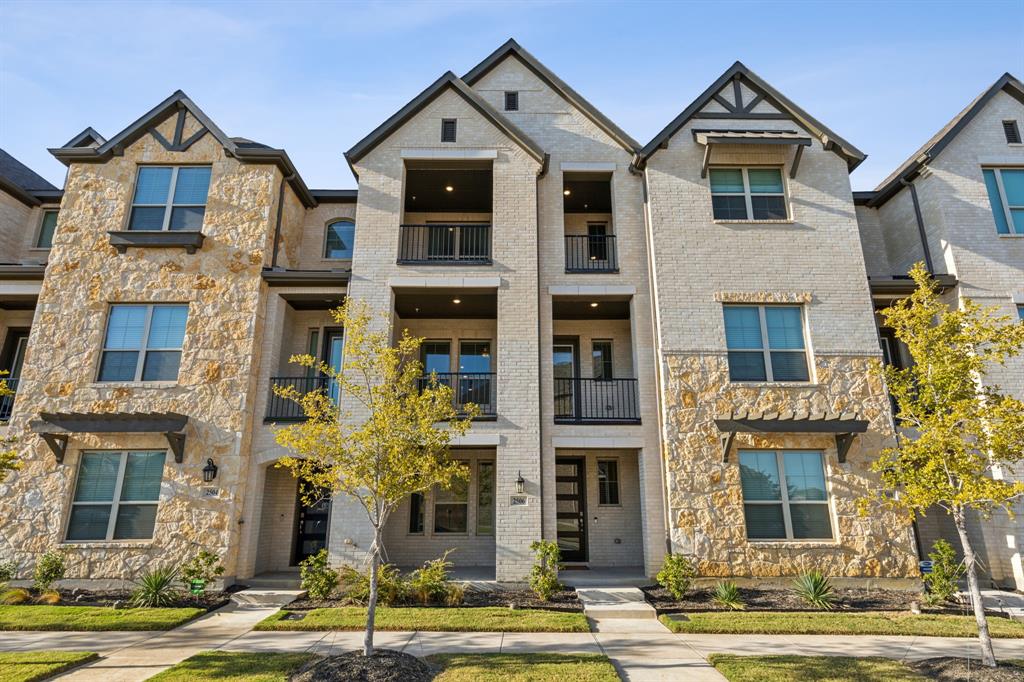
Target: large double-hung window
1006,194
797,510
766,343
170,198
116,495
143,342
748,194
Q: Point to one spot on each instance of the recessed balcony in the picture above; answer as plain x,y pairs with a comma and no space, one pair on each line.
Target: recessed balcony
446,214
590,245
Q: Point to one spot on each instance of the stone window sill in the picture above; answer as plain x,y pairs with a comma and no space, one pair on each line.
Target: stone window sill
774,384
108,544
795,544
134,384
156,239
1011,236
754,222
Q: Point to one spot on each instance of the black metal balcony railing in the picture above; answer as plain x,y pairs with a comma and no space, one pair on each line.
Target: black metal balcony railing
477,387
7,401
445,245
596,401
284,410
591,253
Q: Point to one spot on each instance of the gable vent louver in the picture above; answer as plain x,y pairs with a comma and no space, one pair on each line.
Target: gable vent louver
1012,132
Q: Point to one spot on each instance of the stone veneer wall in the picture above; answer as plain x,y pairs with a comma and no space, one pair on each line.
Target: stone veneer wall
222,285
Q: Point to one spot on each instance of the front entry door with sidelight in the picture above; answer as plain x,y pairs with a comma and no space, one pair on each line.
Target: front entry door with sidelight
311,526
570,505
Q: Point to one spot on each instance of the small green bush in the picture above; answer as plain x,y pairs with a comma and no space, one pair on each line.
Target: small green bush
544,574
318,578
728,595
156,589
815,589
8,572
942,582
429,584
676,575
14,595
49,569
392,589
201,570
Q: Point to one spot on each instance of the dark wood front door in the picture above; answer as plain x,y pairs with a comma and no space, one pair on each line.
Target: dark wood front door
571,508
311,527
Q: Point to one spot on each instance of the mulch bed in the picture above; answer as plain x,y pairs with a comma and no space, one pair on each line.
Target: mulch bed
769,599
948,669
384,666
121,598
565,600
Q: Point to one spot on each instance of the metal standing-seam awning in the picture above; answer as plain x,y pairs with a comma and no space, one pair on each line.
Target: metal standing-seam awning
54,427
844,425
709,138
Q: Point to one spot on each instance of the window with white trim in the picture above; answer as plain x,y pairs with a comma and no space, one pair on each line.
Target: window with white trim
170,198
799,509
1006,195
766,343
116,496
748,194
143,342
47,228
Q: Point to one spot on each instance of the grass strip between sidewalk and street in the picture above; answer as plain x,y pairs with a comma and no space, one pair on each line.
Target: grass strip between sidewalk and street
475,619
29,666
93,618
737,668
833,623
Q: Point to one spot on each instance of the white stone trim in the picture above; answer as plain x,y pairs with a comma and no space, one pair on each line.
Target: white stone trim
476,439
585,167
445,282
20,288
448,153
591,290
597,442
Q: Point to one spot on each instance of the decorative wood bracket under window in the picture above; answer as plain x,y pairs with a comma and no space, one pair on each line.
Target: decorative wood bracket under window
189,240
58,444
843,426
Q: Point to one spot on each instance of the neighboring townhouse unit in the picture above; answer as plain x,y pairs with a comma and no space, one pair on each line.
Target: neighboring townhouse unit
957,205
669,344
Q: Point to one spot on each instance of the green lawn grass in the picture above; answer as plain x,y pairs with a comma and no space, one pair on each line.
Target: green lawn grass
93,618
235,666
810,669
832,623
479,619
28,666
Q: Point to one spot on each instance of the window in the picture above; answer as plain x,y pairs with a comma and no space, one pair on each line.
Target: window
748,194
602,355
797,510
143,343
450,506
608,481
782,358
116,496
1012,132
1006,194
1020,311
341,236
447,130
416,513
511,101
485,498
597,241
170,198
46,230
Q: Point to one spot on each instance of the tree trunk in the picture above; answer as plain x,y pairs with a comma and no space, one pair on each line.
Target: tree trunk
988,656
371,608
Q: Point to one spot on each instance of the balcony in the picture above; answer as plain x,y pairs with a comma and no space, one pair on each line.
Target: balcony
591,253
445,244
284,410
596,401
479,388
7,401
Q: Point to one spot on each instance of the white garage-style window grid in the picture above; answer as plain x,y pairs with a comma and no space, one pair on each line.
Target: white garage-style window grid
116,495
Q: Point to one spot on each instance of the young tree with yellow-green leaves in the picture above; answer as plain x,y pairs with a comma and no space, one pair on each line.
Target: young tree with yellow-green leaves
388,438
961,436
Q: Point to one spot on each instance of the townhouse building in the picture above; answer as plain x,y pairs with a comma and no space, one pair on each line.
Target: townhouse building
669,343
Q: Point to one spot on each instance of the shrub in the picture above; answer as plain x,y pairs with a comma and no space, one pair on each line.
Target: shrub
429,584
676,575
454,595
815,589
728,595
392,589
8,572
318,579
200,571
15,595
544,574
942,582
49,597
49,569
156,589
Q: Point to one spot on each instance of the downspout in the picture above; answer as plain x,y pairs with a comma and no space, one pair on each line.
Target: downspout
920,226
540,352
277,225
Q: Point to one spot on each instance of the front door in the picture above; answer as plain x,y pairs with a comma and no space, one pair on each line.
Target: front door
311,526
571,508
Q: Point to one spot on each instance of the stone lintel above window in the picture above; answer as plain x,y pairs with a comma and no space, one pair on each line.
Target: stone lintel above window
763,297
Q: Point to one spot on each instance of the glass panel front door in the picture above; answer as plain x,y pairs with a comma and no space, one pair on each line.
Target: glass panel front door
570,508
311,527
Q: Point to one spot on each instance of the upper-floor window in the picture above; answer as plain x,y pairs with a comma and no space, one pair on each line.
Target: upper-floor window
766,343
748,194
448,129
601,352
1006,194
116,496
170,198
46,229
341,235
1012,132
143,342
1020,311
511,100
797,510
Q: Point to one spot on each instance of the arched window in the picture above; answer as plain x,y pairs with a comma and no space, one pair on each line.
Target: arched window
341,235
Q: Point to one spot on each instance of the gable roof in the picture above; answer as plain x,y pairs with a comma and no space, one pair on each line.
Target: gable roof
940,140
448,81
766,92
23,183
87,138
513,49
178,103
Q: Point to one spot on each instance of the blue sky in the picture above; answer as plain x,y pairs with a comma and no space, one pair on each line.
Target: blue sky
315,77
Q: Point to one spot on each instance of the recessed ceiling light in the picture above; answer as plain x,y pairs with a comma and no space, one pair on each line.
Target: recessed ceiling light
449,188
566,192
594,304
456,300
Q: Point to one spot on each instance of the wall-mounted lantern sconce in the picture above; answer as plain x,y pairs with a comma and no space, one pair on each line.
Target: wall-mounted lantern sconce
209,471
520,483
